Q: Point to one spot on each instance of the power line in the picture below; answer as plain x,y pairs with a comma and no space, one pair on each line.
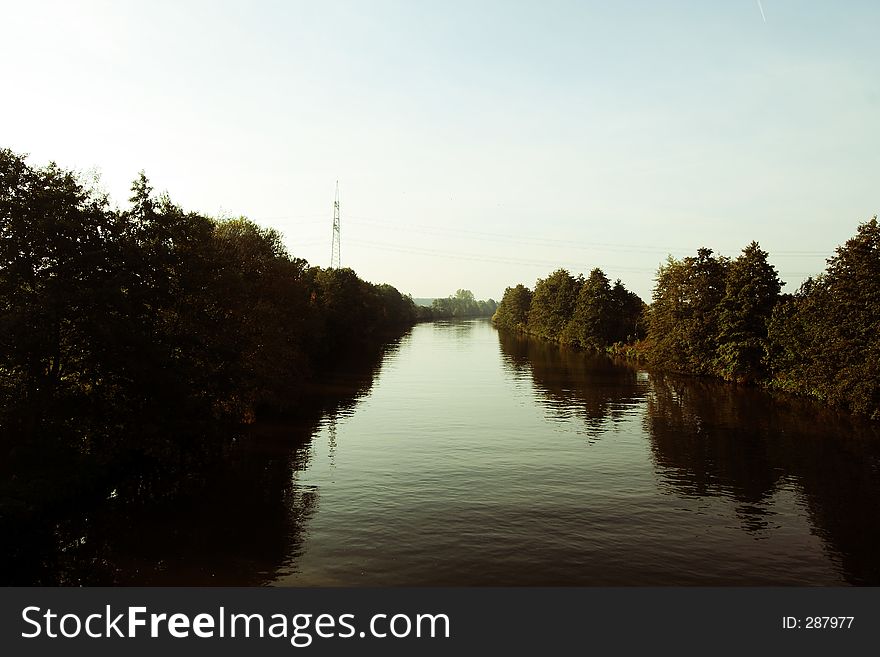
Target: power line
548,241
312,218
513,261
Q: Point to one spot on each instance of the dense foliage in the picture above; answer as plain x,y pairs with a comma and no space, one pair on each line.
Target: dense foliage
130,340
513,311
824,341
458,306
683,322
722,317
727,318
587,313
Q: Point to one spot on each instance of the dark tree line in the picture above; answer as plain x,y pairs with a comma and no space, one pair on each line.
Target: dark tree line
824,341
589,313
458,306
709,314
131,340
716,316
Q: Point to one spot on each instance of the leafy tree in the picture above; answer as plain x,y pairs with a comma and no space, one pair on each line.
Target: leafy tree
58,292
132,342
751,291
396,309
553,303
825,341
461,304
486,307
513,311
52,270
465,305
627,315
590,326
590,313
683,320
669,308
789,341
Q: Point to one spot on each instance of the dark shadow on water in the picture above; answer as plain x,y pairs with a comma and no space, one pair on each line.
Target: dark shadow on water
711,439
240,522
244,520
574,384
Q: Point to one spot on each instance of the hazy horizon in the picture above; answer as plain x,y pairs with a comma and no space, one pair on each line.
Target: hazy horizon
475,146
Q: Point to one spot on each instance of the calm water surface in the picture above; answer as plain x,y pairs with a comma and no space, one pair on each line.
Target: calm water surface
468,457
481,458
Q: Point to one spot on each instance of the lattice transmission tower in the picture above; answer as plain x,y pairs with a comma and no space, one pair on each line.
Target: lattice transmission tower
335,258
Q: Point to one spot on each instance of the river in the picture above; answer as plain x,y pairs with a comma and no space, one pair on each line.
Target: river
468,457
480,458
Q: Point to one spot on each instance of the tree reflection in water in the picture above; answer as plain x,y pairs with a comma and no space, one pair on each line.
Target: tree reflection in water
241,523
711,440
572,383
686,473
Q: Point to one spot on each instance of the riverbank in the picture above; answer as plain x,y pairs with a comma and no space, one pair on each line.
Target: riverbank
727,318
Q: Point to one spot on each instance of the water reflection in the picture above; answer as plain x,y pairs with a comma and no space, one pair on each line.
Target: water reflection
772,458
487,459
241,524
710,439
455,332
572,384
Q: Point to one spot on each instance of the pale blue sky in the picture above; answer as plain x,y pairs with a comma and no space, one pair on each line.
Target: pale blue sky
477,144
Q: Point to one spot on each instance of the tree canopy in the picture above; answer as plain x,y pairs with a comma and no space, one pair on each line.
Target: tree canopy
715,316
131,340
460,305
587,313
824,341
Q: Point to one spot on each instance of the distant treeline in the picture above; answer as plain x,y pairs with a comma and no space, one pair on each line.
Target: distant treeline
460,305
716,316
131,340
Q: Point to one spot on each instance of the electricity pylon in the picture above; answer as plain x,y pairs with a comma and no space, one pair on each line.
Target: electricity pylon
335,258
